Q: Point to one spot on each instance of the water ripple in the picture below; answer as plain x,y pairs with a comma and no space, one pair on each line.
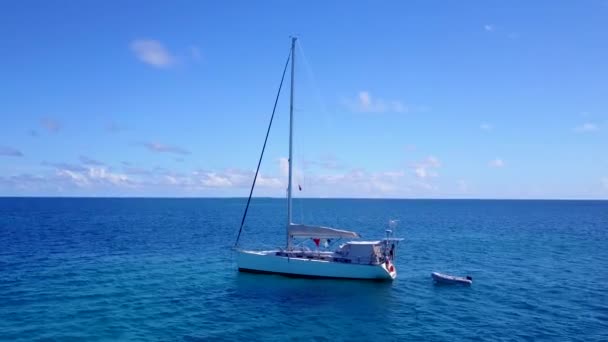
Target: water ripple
141,270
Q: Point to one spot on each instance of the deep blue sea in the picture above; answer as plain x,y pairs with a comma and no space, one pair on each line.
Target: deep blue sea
163,270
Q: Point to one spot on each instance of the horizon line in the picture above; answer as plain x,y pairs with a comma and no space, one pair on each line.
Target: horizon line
308,198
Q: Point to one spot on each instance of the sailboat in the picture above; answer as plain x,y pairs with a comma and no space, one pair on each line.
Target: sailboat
353,259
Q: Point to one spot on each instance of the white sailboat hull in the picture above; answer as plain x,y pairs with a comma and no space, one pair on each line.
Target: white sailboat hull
269,263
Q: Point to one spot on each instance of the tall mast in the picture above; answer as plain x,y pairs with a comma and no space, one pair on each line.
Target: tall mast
293,60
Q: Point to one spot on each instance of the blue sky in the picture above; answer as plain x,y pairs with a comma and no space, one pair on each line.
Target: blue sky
417,99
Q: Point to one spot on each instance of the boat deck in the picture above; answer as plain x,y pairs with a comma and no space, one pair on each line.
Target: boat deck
329,256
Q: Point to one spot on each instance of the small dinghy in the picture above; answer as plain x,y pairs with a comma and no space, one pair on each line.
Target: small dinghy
448,279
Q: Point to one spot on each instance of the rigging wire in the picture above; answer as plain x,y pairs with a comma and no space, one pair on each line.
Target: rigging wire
302,156
323,107
263,148
312,79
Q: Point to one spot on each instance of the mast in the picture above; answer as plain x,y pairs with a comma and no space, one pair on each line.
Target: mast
293,56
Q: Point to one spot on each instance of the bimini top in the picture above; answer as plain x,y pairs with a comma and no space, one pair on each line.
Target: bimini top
304,231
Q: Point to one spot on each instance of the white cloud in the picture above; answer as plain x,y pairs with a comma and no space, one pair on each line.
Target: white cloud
172,180
425,168
268,182
586,127
297,176
229,178
365,99
133,177
284,166
92,176
77,178
102,174
497,163
486,126
365,103
359,183
152,52
420,172
214,180
89,179
488,27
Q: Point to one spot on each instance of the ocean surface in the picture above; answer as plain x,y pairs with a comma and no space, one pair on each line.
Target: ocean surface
163,270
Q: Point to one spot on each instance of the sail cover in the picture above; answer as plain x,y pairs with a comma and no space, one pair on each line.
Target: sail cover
304,231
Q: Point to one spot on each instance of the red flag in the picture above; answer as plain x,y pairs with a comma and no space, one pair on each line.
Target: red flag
316,241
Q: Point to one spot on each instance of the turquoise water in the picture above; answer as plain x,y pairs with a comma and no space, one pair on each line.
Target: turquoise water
162,270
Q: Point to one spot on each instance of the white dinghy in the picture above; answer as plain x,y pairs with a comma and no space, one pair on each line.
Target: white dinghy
449,279
351,260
